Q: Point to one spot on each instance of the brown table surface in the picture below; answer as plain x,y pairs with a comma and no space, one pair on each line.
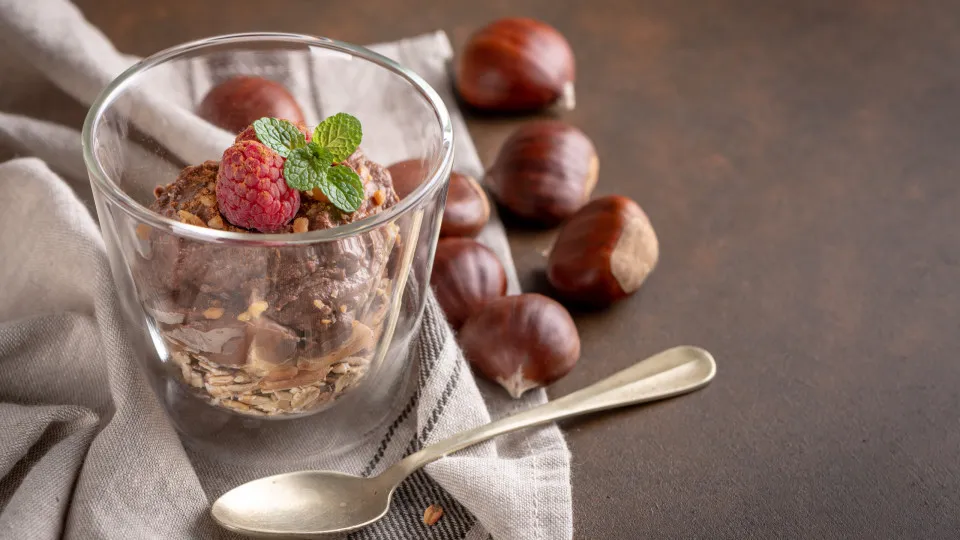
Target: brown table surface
799,161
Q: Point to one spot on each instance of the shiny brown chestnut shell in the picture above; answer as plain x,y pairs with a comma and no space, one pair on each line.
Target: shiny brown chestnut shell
466,275
544,172
407,175
521,342
235,103
467,209
516,64
603,253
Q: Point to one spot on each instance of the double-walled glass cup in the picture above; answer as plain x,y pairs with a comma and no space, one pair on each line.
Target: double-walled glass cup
237,330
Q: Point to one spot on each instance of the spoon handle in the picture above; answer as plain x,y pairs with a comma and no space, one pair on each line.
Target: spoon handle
670,373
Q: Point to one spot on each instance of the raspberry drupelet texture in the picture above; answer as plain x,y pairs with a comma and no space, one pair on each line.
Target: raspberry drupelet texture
251,190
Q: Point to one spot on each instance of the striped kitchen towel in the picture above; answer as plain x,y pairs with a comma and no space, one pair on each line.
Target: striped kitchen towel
87,451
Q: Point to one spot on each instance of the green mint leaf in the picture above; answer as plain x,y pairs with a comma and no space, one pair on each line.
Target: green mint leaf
343,187
341,134
280,135
307,167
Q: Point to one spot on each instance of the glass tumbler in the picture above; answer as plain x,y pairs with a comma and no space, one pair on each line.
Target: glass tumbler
250,337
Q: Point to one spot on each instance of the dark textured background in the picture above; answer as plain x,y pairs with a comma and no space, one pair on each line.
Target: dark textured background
799,161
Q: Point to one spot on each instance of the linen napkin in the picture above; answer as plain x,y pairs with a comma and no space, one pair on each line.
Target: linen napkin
87,451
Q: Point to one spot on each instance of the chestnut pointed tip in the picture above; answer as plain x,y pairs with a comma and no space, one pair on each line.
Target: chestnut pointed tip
516,384
521,342
568,97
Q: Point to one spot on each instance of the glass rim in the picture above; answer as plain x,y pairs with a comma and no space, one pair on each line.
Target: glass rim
120,198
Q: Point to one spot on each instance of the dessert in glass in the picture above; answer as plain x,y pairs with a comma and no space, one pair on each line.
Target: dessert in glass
273,273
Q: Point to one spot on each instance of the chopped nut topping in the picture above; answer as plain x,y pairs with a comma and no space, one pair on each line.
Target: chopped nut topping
325,321
432,514
343,308
244,317
319,304
317,195
213,313
207,200
379,197
301,225
187,217
340,368
216,222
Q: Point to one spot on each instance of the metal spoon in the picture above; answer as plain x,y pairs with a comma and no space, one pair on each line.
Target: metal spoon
307,504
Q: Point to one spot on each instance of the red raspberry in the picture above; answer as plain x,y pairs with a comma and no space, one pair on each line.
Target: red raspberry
248,133
251,190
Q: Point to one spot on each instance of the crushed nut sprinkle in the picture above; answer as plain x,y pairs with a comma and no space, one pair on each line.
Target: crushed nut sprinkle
213,313
207,200
379,197
301,225
216,222
319,304
343,308
190,219
432,514
317,195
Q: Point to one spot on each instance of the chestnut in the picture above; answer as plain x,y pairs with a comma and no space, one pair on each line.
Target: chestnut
604,252
235,103
466,275
521,342
544,172
516,64
407,176
467,209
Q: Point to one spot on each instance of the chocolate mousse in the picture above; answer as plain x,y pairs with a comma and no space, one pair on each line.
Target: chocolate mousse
269,330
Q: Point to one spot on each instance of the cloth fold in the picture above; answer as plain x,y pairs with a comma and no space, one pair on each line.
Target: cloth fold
87,450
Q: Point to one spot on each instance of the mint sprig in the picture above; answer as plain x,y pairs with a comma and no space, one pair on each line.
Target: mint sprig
341,134
343,187
280,135
317,164
306,168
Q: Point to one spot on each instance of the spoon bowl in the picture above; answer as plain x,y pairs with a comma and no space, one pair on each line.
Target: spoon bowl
309,504
303,504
